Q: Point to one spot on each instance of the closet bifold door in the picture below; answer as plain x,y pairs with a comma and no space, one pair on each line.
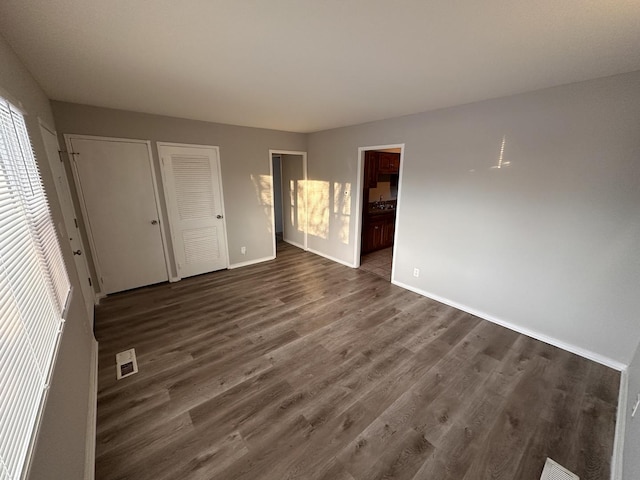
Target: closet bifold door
193,192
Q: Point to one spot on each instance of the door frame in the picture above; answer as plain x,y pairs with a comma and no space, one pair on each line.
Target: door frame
85,215
166,202
70,216
305,179
279,157
359,200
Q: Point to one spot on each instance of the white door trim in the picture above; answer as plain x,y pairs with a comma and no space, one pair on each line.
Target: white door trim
69,216
360,180
76,178
91,431
281,194
164,193
305,247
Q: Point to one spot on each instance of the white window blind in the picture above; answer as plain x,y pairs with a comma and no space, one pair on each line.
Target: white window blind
34,287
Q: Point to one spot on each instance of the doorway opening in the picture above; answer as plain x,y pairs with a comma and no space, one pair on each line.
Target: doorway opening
289,205
380,169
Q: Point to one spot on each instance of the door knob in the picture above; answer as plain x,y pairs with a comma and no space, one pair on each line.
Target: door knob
218,216
154,222
77,252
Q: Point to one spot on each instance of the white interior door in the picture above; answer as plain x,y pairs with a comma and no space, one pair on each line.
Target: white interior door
117,187
70,218
193,191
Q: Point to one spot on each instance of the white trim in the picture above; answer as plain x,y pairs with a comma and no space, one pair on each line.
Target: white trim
596,357
47,127
357,250
306,197
398,211
251,262
163,173
334,259
621,427
305,174
90,452
69,217
68,137
357,242
163,232
295,244
106,139
273,203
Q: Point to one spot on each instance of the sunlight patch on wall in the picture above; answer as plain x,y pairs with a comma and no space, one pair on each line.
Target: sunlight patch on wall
341,198
342,209
292,202
501,161
262,186
343,222
301,210
264,196
318,204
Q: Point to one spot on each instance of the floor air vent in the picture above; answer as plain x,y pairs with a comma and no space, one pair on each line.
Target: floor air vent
554,471
126,363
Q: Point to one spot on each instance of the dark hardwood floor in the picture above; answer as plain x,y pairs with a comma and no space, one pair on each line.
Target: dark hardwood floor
378,263
301,368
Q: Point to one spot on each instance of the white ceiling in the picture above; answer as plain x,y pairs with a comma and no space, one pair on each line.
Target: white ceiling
309,65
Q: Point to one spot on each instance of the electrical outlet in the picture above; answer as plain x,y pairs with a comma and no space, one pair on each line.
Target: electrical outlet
416,272
243,250
635,407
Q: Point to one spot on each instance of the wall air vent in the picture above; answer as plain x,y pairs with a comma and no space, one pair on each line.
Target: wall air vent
126,363
554,471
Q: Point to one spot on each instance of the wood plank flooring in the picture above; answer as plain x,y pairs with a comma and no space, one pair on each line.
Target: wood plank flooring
378,262
301,368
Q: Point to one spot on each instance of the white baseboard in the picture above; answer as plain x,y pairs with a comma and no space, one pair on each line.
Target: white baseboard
174,279
251,262
99,296
295,244
596,357
334,259
90,453
621,426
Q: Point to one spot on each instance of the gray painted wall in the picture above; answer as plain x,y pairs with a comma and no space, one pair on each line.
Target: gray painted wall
244,160
631,459
548,244
60,451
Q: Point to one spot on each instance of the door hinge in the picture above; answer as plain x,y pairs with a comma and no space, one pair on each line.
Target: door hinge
90,284
101,281
60,152
76,222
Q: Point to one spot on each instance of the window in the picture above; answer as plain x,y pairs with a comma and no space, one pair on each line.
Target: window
34,289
